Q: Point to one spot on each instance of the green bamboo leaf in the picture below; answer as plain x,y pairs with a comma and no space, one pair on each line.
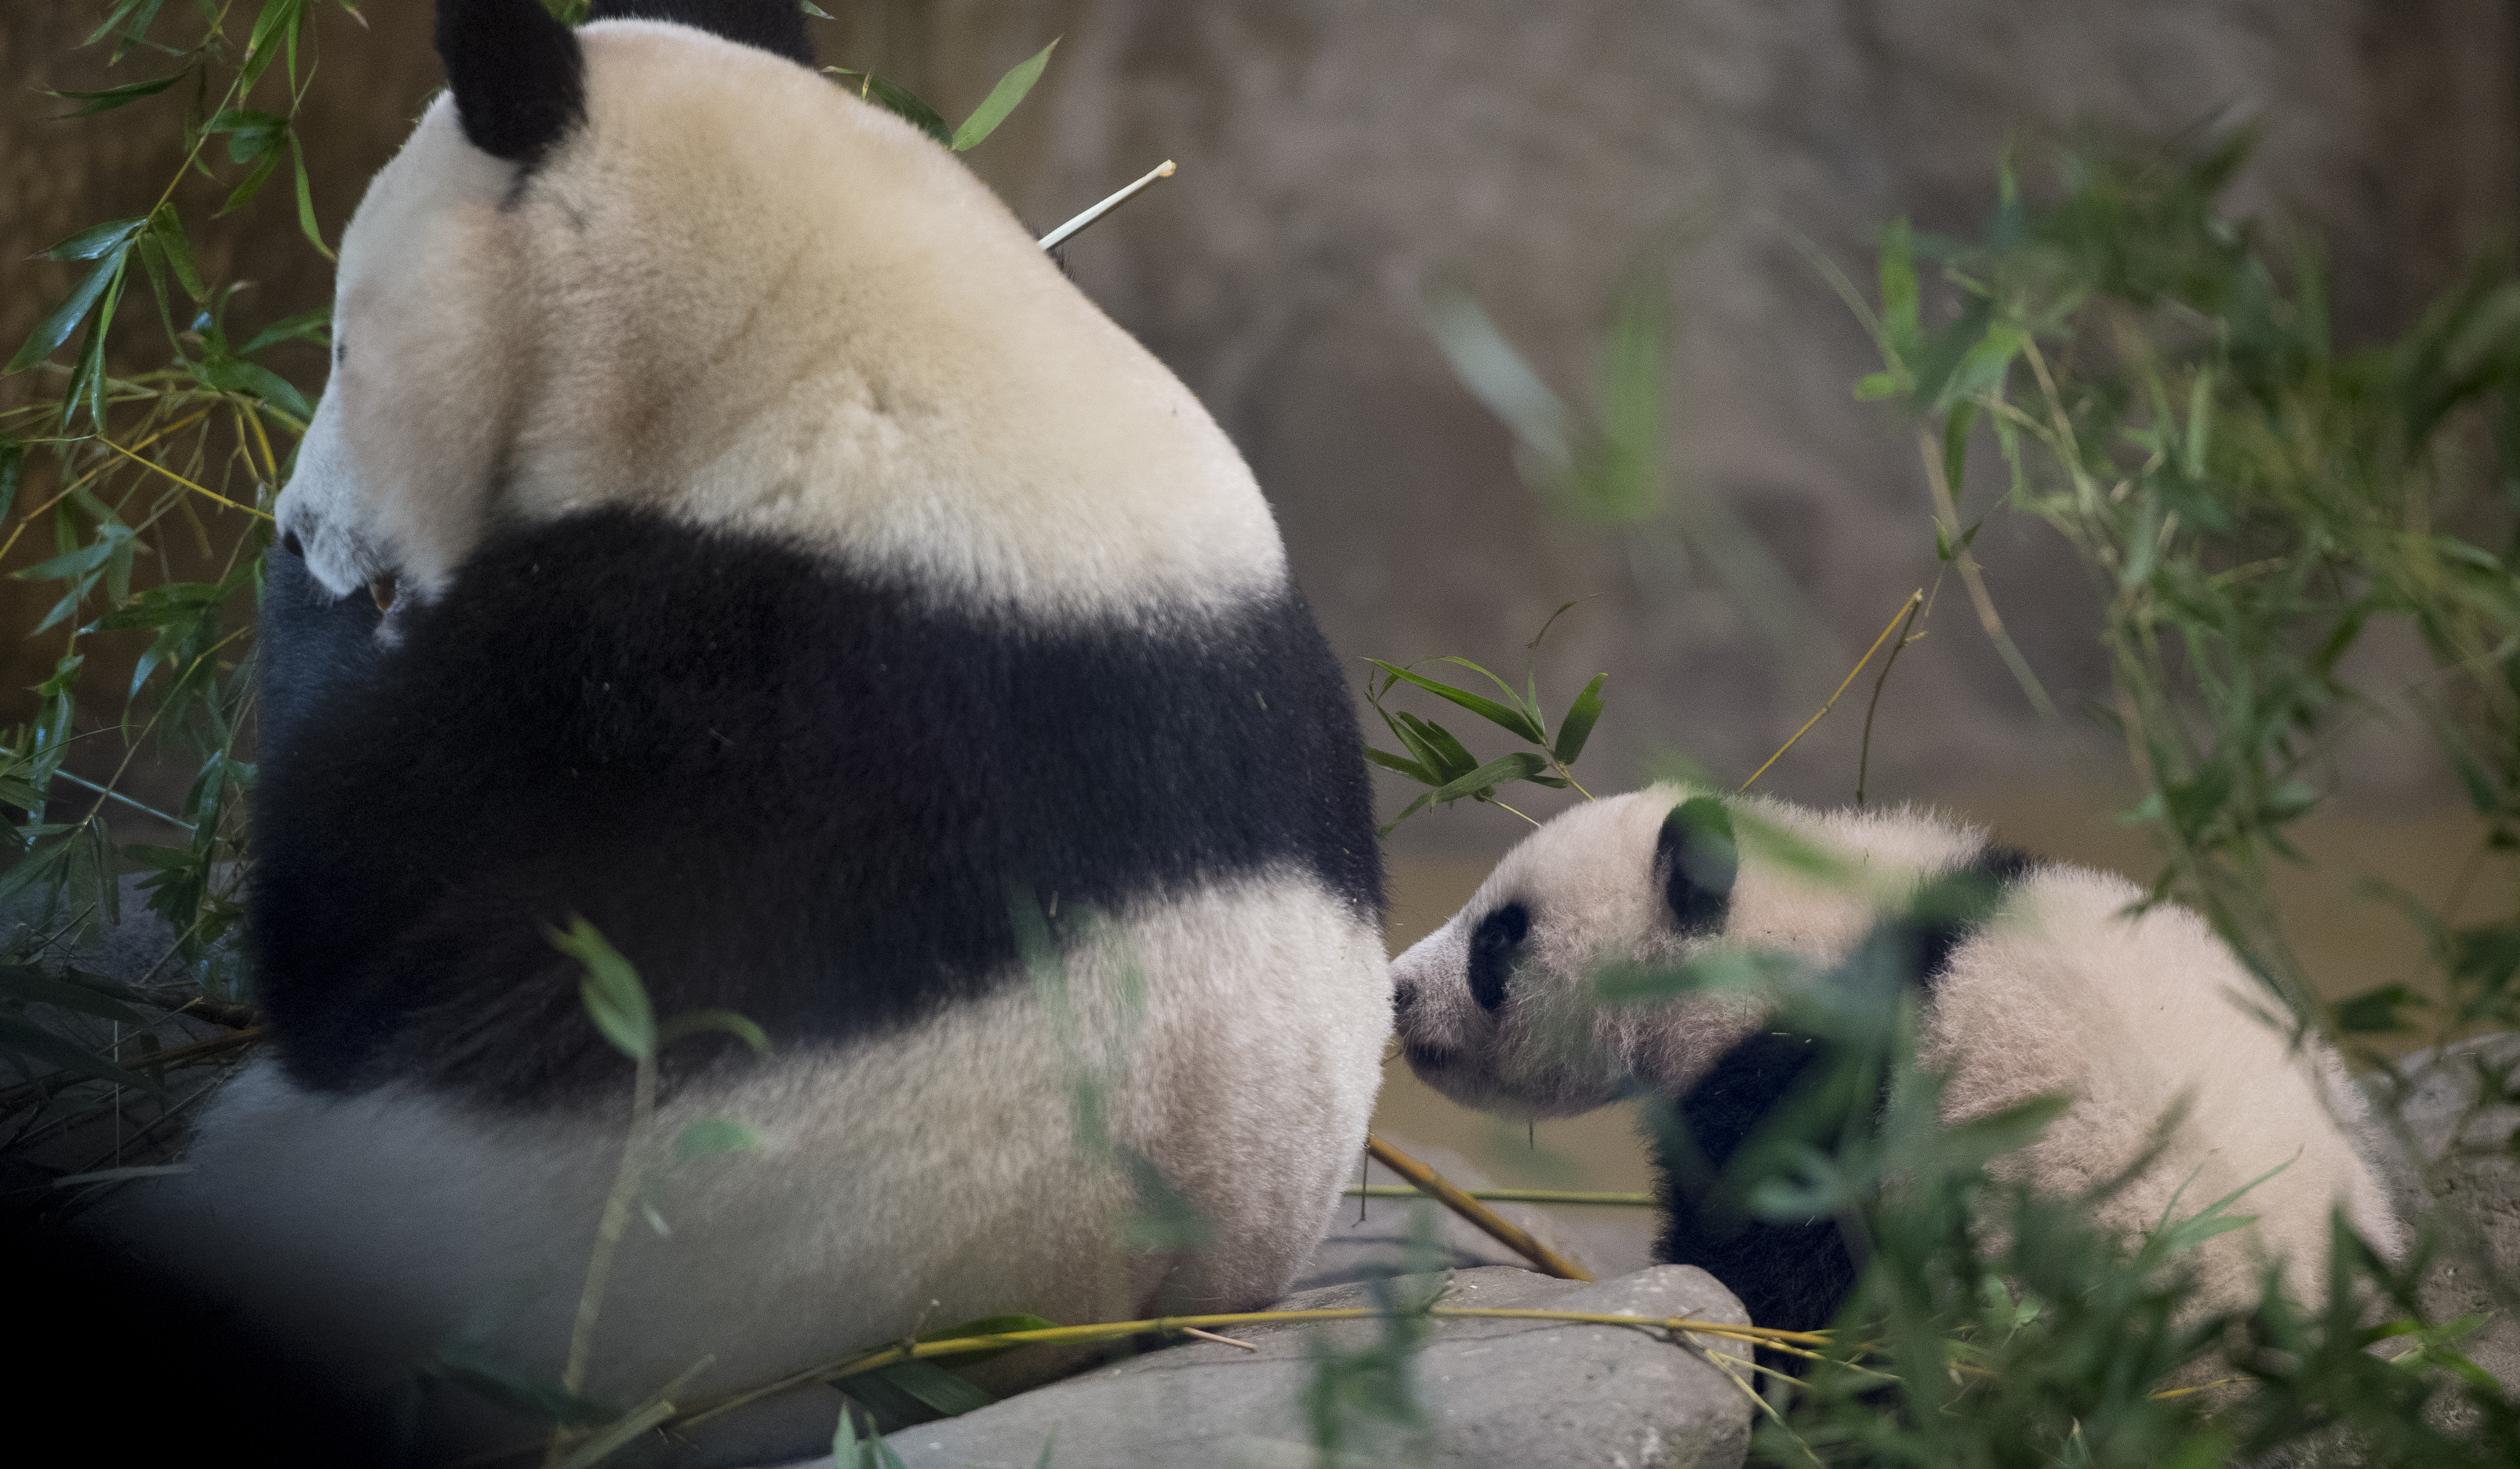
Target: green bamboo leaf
1955,437
1534,645
1519,765
1409,767
2210,1220
1982,368
1446,757
27,984
505,1384
1529,710
2200,423
1412,809
13,472
56,329
278,21
85,559
694,1022
900,1390
250,184
97,240
122,17
614,998
87,387
1577,726
899,100
1544,426
1001,100
252,134
315,326
1512,719
114,97
715,1134
306,201
1899,315
230,375
35,1043
1414,742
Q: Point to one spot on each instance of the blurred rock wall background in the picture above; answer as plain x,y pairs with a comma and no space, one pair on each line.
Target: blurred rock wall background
1339,157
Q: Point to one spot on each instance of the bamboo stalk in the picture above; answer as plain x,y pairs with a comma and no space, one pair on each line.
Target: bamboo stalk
1061,235
1176,1325
42,1088
1513,1236
1506,1195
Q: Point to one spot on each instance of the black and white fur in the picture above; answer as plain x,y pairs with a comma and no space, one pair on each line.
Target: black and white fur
792,572
2056,989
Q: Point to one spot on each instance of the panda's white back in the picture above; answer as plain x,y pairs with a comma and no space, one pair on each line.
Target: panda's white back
2073,990
745,297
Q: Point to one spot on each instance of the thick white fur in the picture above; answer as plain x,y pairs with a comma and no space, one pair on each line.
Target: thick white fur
742,297
907,1179
2064,991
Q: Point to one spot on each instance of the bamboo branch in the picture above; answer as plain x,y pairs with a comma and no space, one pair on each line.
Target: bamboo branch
1506,1195
1513,1236
1947,513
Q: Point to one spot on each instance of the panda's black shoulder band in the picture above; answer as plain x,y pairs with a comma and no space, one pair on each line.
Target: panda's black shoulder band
1958,904
777,26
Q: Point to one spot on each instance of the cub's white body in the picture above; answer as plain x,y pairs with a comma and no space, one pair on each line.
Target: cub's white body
2065,990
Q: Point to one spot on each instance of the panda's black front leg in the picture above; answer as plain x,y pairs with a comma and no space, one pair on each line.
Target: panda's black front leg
309,647
1794,1276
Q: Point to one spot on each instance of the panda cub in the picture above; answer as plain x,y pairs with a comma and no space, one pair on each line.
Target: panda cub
793,575
2053,989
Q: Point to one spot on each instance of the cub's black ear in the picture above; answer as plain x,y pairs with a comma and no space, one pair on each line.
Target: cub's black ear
1698,859
777,26
518,78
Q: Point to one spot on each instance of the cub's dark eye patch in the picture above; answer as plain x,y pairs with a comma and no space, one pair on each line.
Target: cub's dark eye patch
1492,946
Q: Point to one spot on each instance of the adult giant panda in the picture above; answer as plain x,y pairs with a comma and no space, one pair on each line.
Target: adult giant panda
792,573
2052,986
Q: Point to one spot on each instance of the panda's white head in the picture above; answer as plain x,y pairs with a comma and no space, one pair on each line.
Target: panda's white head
1502,1007
645,265
1498,1009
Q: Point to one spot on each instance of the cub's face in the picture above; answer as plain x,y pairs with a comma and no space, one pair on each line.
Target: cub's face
1498,1009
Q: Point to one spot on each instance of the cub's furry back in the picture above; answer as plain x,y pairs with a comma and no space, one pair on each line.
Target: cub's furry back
2033,979
793,575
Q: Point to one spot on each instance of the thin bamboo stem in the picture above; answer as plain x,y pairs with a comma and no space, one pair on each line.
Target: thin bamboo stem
1060,236
1946,512
1175,1326
1505,1195
1513,1236
1914,599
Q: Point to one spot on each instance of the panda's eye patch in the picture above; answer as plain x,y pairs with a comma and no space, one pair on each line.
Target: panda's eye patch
1492,946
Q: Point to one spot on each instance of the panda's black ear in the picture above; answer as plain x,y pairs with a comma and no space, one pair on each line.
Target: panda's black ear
1698,860
518,78
777,26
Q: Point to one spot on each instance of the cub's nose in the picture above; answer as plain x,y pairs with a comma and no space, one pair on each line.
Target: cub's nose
289,543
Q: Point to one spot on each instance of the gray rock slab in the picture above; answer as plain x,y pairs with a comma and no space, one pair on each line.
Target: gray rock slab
1496,1392
2481,1187
1366,1238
